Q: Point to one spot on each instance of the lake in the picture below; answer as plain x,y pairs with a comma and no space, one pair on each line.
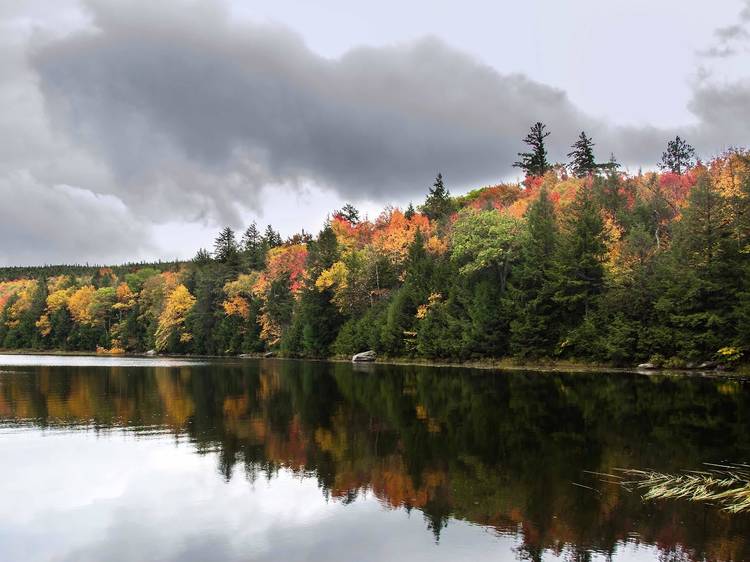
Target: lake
163,459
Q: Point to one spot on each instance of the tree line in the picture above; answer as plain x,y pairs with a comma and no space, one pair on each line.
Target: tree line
578,261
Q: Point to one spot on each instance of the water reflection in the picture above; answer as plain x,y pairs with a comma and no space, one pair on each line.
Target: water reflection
494,457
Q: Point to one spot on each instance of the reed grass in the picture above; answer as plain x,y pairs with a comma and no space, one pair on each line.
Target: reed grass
726,486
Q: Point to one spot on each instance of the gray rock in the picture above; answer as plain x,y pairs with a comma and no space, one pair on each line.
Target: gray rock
647,366
707,365
269,354
245,355
151,352
365,356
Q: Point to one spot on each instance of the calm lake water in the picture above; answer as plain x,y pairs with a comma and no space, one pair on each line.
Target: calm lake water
157,459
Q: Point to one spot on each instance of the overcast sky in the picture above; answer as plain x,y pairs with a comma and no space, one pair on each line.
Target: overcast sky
135,130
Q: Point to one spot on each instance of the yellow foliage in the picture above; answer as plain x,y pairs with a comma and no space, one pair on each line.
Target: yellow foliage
43,325
25,291
334,275
172,319
58,299
57,283
239,292
79,304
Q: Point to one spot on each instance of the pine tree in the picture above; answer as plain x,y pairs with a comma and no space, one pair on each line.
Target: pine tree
271,238
438,204
349,212
202,257
534,330
225,247
579,268
409,213
252,247
612,165
534,163
582,162
679,156
317,320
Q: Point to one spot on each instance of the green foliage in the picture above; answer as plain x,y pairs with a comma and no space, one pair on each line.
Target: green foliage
438,204
582,161
605,267
534,163
678,157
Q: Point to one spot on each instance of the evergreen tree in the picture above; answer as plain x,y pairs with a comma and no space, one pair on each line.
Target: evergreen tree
252,247
398,335
202,257
534,163
679,156
316,319
349,212
271,238
534,331
438,204
582,162
612,165
225,248
579,269
409,213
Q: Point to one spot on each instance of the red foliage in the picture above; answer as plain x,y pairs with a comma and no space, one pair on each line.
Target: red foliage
676,187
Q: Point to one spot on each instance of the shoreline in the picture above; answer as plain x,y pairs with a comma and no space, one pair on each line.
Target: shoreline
482,364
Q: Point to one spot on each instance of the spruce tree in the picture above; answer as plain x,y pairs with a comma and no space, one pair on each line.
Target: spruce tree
252,247
349,212
534,330
579,268
409,213
582,162
225,247
317,320
534,163
679,156
271,238
438,204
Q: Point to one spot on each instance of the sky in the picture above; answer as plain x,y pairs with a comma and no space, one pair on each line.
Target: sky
136,130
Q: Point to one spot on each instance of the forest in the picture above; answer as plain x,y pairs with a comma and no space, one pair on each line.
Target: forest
580,261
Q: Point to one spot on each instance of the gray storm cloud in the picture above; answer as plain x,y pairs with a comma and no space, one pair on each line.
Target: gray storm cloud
174,111
198,112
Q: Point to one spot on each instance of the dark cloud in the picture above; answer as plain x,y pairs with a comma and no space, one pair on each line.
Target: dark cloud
194,113
63,224
173,112
721,111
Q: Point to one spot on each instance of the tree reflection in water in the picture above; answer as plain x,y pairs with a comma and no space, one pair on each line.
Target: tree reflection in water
510,451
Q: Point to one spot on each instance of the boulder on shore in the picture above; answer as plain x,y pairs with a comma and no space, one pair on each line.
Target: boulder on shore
708,365
364,356
151,352
648,366
269,354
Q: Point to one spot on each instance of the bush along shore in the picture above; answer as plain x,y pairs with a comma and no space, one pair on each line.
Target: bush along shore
579,262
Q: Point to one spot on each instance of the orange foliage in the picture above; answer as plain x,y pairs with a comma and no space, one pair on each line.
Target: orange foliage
351,236
284,261
125,297
394,233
